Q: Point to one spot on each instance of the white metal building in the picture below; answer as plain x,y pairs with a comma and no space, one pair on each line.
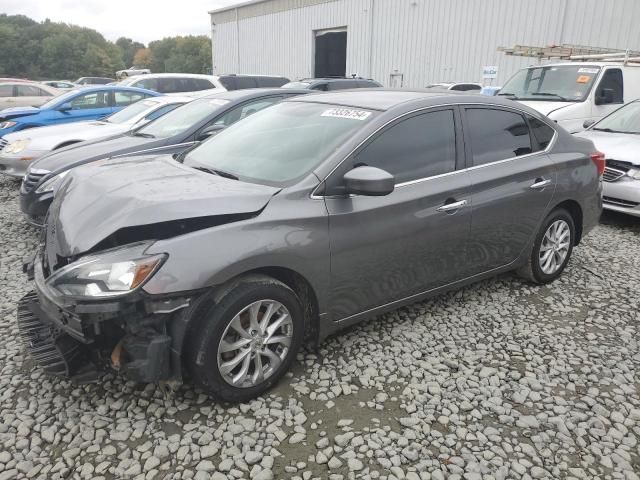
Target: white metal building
409,43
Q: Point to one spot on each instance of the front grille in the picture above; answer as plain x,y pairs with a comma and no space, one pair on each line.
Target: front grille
612,174
31,179
619,202
56,352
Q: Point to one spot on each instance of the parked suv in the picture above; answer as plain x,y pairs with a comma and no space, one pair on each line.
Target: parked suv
330,84
174,82
295,222
240,82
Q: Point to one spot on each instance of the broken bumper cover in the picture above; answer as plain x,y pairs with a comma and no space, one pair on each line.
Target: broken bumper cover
77,341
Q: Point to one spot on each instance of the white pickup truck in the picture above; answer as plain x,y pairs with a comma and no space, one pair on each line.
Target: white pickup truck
130,72
575,94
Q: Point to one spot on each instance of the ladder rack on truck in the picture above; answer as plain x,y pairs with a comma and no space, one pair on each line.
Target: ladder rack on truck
574,53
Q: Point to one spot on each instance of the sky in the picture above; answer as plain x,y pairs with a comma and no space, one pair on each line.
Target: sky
141,20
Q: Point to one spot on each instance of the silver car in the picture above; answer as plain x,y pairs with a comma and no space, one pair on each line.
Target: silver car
299,220
24,147
618,137
25,94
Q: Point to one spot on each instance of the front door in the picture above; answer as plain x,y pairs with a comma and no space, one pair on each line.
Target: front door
388,248
88,106
513,181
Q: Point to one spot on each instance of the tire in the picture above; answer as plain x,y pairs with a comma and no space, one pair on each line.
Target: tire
124,75
539,271
215,371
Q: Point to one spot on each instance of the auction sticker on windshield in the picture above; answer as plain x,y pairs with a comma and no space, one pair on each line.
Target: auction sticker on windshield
351,113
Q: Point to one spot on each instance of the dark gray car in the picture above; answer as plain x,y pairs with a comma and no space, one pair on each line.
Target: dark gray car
302,219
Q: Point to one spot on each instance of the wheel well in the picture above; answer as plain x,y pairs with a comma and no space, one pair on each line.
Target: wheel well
66,144
303,290
575,211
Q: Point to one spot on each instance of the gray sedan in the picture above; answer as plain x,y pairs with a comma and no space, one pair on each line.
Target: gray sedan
293,223
618,137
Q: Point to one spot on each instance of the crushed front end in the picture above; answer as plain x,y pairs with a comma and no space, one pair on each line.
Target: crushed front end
88,314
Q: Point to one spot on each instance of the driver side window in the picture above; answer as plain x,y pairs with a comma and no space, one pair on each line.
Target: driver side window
90,100
612,80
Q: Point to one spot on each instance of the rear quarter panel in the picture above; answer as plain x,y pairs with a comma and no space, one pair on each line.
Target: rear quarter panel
577,177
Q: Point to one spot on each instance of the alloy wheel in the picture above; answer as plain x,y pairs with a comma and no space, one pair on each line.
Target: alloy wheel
555,247
255,343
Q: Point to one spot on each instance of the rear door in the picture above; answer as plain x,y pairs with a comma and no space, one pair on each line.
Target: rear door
513,181
388,248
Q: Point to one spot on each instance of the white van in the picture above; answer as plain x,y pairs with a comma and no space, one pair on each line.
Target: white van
575,94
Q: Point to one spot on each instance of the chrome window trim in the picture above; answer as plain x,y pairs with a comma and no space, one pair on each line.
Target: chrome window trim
552,143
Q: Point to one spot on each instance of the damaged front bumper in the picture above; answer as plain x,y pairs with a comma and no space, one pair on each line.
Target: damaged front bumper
79,340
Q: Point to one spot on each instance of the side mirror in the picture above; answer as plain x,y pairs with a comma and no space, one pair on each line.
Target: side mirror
588,123
369,181
210,132
605,96
65,107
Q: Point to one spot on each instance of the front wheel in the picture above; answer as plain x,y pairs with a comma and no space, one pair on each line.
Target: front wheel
552,248
247,341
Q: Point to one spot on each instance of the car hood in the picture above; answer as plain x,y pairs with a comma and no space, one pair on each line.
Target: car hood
47,138
15,112
545,108
100,199
92,150
623,147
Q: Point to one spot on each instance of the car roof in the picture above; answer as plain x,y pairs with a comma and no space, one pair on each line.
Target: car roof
384,99
92,88
254,92
170,75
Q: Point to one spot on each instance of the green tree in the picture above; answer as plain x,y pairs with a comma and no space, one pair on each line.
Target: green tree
128,49
190,54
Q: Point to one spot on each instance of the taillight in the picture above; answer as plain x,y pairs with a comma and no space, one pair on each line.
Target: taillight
598,159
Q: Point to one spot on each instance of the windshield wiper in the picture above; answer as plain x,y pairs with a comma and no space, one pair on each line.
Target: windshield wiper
546,94
510,95
220,173
144,135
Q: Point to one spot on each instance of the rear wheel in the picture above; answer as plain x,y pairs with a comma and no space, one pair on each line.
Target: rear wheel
552,248
247,341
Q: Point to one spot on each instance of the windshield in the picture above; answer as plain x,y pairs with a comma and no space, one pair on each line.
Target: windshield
296,85
182,118
623,120
132,111
567,83
60,99
281,143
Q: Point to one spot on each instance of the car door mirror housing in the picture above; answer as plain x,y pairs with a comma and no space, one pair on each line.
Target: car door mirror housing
605,96
369,181
210,132
588,123
65,107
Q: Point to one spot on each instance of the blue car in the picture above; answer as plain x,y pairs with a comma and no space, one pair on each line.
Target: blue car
85,104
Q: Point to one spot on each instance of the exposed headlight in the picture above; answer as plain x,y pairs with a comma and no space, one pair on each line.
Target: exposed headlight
109,274
52,184
17,146
634,173
7,124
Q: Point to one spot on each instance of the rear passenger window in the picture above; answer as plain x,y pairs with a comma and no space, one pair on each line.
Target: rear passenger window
123,99
497,135
542,132
419,147
202,84
6,90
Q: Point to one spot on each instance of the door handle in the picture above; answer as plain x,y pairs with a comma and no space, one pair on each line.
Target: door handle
450,207
540,184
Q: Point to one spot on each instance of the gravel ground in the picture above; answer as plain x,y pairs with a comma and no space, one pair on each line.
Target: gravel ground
499,380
